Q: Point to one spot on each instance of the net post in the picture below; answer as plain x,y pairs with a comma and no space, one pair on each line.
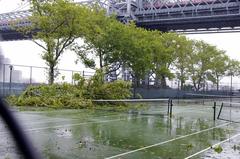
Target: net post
168,106
214,111
171,105
220,111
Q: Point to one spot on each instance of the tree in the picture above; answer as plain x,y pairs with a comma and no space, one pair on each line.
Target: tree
115,45
58,23
201,59
100,42
233,67
135,52
183,53
164,54
218,67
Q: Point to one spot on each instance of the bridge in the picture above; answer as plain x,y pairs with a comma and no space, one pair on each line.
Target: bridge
164,15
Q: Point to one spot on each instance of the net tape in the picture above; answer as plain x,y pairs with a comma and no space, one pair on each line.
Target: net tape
153,110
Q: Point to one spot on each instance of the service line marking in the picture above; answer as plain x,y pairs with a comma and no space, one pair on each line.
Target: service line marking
164,142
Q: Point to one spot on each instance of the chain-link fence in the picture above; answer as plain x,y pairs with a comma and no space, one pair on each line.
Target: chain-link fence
15,78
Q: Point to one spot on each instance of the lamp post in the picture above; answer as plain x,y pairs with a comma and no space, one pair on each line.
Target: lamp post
10,78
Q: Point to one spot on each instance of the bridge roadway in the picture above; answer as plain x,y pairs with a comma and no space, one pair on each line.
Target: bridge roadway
191,15
187,15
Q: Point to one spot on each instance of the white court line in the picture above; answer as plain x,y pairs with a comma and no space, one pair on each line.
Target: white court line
130,100
164,142
210,147
77,124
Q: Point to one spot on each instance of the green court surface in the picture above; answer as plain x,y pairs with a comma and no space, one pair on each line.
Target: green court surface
87,134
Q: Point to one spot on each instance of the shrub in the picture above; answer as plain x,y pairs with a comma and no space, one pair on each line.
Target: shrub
79,95
56,95
115,90
97,89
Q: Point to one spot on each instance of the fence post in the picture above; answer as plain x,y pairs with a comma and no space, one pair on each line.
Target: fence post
168,106
30,75
10,79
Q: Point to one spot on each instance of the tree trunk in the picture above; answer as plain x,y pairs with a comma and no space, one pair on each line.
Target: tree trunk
101,60
137,82
181,84
217,83
195,85
156,81
181,79
51,74
163,83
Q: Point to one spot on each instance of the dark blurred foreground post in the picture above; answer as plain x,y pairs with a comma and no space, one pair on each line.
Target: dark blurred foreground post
21,140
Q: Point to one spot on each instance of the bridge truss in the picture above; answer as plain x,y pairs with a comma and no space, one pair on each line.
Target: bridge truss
188,15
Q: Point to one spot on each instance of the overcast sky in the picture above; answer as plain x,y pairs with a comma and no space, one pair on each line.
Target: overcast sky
27,53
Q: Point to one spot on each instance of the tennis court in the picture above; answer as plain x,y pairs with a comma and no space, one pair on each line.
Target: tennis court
150,133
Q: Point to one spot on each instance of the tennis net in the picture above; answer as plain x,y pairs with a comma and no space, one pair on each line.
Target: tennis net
141,106
229,111
206,98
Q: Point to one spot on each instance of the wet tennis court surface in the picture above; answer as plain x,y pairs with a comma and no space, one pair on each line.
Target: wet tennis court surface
71,134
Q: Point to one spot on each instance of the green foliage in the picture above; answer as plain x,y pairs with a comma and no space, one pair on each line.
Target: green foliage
164,55
78,80
56,95
202,58
114,90
143,52
79,95
7,157
99,41
183,51
233,67
114,45
189,146
218,149
138,96
97,89
58,24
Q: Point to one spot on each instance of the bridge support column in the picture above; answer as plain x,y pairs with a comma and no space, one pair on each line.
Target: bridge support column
129,8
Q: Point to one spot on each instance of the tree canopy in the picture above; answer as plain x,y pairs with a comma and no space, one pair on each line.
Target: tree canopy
55,25
111,45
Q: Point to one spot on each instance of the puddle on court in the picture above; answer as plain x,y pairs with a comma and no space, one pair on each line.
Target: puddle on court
82,134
